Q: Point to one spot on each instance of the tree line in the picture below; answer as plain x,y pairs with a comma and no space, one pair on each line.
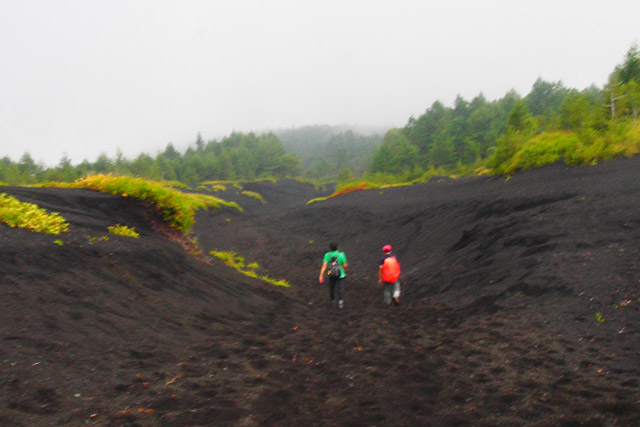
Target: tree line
316,152
489,133
327,152
512,133
236,157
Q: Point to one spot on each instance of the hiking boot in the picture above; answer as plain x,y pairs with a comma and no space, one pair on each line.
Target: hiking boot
396,301
340,304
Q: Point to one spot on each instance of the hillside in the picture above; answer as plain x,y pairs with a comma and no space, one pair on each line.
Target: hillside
520,306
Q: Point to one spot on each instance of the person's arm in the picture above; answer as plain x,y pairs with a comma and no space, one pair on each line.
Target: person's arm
322,270
380,275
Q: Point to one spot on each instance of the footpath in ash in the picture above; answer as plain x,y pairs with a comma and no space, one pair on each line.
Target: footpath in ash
520,298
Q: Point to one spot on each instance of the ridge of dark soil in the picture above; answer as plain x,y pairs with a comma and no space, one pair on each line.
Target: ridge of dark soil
520,306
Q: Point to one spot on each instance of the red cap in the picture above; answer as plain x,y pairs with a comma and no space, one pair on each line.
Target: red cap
386,248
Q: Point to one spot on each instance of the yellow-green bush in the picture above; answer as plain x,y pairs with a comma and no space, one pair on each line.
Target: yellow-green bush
15,213
518,152
215,186
237,262
123,230
346,189
218,187
544,149
253,195
174,184
175,207
621,139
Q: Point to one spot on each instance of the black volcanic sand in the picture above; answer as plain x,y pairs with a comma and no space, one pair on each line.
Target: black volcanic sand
503,285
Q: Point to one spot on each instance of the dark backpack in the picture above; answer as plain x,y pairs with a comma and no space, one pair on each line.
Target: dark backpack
334,267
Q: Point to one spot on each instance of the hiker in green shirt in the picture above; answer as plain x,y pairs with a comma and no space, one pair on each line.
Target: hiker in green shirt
334,266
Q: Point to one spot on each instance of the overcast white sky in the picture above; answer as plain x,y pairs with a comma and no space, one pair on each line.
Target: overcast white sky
84,76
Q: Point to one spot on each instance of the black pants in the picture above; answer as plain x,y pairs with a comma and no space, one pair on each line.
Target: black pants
336,286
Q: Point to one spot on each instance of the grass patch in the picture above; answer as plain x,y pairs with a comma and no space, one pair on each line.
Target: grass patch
237,262
175,184
517,152
383,181
29,216
358,186
253,195
214,186
346,189
123,230
175,207
544,149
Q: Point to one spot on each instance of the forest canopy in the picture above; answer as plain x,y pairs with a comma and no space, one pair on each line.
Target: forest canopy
514,133
237,157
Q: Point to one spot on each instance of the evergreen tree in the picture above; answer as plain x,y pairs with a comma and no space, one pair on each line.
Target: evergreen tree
520,119
395,155
629,70
28,169
199,143
103,164
546,98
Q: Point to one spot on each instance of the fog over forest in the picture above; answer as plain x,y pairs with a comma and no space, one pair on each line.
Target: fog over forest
84,78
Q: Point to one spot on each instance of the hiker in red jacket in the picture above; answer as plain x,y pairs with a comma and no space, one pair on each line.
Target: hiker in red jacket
388,275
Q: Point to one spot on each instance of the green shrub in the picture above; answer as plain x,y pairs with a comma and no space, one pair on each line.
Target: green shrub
518,152
253,195
174,184
237,262
544,149
123,230
176,208
346,189
215,186
507,146
218,187
29,216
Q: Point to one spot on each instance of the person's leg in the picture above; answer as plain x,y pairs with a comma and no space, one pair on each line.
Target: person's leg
332,290
396,292
386,293
340,291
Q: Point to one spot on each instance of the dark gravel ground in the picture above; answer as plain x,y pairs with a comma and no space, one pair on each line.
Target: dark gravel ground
503,285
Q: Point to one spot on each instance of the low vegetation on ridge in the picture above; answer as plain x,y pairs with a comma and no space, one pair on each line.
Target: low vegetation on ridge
237,262
253,195
123,230
29,216
175,207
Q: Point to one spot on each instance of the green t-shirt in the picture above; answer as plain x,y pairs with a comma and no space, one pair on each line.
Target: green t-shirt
342,260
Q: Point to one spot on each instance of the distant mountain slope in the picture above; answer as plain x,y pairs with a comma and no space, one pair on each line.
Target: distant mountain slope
326,150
